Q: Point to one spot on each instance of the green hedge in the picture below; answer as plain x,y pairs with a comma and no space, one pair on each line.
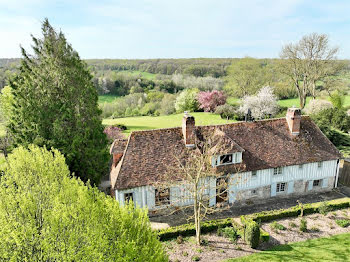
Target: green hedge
190,230
266,216
264,236
251,231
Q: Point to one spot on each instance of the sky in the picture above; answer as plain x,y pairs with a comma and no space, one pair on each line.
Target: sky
175,28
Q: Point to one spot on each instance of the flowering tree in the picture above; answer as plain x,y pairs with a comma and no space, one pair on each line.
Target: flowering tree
262,105
187,100
317,105
210,100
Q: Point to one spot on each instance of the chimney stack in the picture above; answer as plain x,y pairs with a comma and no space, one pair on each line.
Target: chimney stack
293,119
188,128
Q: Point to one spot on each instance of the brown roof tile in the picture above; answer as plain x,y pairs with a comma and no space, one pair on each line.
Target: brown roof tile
265,144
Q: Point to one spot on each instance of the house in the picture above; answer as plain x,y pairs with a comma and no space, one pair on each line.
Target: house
278,157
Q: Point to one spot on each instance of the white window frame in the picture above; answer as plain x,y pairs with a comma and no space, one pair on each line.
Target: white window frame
319,164
254,174
279,187
301,166
318,184
278,171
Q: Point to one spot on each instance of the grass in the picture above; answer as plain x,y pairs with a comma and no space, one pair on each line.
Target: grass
335,248
106,98
146,75
152,122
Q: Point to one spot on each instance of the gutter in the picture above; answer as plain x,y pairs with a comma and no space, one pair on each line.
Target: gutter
336,175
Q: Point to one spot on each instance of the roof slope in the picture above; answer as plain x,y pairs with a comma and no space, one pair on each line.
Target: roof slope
265,144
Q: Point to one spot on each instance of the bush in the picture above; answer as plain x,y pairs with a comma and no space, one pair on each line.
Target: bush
303,225
323,208
229,232
150,109
332,117
210,100
317,105
179,240
264,236
187,101
196,258
342,222
226,111
276,226
252,233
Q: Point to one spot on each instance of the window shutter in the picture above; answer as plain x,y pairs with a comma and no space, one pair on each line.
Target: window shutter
290,187
309,187
325,182
273,189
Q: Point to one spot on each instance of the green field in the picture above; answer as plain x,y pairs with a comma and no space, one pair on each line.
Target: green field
335,248
106,99
152,122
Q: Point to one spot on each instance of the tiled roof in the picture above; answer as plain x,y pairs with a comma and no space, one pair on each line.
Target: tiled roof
265,144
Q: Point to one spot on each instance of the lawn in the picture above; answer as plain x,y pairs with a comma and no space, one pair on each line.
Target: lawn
152,122
335,248
146,75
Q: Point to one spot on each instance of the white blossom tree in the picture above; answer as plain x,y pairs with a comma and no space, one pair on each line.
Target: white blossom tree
263,104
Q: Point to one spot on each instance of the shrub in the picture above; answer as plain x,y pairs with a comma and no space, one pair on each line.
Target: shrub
196,258
229,232
332,117
251,232
342,222
179,240
187,101
276,226
323,208
303,225
225,111
210,100
317,105
292,224
264,236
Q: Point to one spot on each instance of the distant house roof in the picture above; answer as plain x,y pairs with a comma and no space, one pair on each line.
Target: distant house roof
265,144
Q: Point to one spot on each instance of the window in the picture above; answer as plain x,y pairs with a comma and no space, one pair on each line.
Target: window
254,174
300,166
281,187
162,196
316,183
128,197
277,171
226,159
319,164
253,192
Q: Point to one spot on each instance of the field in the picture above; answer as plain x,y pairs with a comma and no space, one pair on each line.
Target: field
335,248
151,122
146,75
106,99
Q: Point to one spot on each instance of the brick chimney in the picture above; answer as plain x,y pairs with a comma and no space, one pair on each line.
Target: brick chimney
188,128
293,119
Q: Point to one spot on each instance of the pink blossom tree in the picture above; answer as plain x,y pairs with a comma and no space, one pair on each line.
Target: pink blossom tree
113,132
211,99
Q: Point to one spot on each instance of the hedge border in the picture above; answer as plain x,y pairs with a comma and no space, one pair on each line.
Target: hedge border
264,216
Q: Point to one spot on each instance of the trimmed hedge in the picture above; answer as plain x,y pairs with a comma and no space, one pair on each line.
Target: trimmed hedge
190,230
251,231
266,216
264,236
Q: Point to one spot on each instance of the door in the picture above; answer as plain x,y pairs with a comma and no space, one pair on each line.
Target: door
221,189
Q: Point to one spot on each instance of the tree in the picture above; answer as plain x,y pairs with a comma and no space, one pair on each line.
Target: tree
317,105
262,105
308,61
55,104
209,101
46,215
226,111
193,175
187,100
245,77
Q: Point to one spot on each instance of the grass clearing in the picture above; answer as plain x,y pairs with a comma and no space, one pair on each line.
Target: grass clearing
106,99
335,248
154,122
146,75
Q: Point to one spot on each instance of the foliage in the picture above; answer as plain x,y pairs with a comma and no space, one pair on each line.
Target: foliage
187,101
245,77
323,208
271,215
210,100
303,225
229,232
332,117
251,232
55,104
167,105
276,226
264,236
226,111
317,105
263,105
337,99
46,215
342,222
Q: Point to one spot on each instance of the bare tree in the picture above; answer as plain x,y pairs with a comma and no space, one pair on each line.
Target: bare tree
308,61
199,182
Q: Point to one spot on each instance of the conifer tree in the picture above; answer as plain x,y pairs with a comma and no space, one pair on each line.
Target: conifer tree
55,104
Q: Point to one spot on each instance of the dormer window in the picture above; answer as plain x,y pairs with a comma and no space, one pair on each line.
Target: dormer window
253,174
226,159
277,171
319,164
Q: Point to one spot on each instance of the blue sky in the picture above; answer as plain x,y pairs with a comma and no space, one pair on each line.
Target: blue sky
175,28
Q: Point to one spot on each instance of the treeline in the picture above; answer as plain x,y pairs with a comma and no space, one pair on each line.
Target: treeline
199,67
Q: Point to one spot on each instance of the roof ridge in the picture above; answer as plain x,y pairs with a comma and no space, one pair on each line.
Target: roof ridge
122,160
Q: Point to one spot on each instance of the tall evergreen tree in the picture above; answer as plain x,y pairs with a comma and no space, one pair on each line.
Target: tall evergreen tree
55,104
